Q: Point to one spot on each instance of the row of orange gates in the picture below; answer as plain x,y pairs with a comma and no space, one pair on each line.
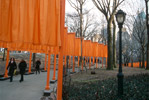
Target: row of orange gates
135,64
37,26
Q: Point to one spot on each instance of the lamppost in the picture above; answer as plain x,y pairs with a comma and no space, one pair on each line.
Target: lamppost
120,18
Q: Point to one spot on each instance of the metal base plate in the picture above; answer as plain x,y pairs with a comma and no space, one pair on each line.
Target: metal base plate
4,78
47,92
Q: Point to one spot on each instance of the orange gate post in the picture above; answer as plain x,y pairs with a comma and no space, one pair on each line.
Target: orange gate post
93,60
90,63
73,64
48,73
96,62
7,60
60,65
54,68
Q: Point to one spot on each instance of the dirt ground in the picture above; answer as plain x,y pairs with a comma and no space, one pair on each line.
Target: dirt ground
102,74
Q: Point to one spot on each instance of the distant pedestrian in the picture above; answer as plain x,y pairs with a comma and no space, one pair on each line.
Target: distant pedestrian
22,67
11,66
38,63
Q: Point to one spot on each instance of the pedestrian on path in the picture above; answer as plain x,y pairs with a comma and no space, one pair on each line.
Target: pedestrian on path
38,63
22,67
11,66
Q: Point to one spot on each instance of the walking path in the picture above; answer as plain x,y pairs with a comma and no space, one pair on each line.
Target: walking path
31,88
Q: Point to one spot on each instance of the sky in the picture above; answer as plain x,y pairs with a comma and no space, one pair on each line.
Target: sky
129,6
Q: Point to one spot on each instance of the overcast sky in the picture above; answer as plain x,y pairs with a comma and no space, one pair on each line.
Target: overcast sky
129,6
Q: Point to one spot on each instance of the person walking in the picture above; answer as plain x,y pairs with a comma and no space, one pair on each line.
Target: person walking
11,66
38,63
22,67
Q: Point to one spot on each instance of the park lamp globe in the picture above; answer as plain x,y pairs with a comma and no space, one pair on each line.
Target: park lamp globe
120,17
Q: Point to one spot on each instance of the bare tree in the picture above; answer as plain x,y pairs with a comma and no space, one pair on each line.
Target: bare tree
139,33
78,6
85,27
114,44
90,26
136,25
104,6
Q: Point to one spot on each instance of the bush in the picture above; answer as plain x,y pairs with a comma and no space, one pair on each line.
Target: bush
135,88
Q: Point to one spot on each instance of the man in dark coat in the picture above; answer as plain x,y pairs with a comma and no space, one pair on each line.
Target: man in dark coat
22,67
11,66
38,63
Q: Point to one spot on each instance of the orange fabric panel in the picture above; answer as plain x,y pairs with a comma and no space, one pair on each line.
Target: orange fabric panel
65,42
30,21
95,49
77,47
83,48
70,43
26,47
89,48
105,53
101,50
54,50
129,64
5,20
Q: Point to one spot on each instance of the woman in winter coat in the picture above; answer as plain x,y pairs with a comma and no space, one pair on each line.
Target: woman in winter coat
22,67
11,66
38,63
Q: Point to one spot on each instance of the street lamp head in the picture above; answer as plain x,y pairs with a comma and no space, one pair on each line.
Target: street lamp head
120,17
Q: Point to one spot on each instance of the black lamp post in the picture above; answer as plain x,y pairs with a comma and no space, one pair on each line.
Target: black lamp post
120,18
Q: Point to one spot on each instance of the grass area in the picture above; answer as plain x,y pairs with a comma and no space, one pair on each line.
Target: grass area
136,87
103,74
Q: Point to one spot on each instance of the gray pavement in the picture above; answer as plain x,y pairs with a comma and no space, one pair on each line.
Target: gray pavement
30,89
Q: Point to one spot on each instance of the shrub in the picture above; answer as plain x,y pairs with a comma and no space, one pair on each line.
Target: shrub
135,88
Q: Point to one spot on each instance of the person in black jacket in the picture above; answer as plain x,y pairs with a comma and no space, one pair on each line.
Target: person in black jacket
38,63
11,66
22,67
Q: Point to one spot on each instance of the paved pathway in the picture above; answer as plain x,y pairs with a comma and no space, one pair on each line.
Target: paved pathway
31,89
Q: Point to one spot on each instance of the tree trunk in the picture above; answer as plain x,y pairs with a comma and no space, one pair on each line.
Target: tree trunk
143,60
140,63
147,58
114,44
131,61
109,33
34,59
147,24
